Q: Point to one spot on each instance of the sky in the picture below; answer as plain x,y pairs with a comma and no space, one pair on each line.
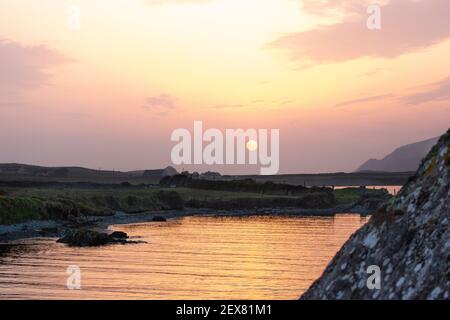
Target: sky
107,92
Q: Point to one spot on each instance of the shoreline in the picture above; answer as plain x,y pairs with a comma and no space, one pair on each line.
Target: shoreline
47,228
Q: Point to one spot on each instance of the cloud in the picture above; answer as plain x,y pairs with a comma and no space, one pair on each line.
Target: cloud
433,92
24,68
332,7
438,91
160,105
373,72
362,100
407,25
228,106
162,2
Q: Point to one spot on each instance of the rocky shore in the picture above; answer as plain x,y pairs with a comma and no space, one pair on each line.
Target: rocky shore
58,212
404,250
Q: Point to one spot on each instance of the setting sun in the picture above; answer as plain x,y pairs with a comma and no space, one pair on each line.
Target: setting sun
224,149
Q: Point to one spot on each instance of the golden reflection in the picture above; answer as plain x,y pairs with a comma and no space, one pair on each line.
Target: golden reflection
190,258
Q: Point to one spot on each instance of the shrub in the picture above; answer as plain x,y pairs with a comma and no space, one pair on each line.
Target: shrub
21,209
170,199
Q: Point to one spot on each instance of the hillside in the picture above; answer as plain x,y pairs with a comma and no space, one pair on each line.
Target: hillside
405,158
15,171
23,172
408,240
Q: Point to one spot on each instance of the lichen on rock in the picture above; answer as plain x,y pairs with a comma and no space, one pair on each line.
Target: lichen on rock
408,239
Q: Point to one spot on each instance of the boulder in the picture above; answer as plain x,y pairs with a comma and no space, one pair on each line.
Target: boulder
118,235
92,238
85,238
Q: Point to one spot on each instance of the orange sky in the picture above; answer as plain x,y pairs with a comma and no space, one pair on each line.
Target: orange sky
108,95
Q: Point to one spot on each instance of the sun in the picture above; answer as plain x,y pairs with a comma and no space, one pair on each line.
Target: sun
252,145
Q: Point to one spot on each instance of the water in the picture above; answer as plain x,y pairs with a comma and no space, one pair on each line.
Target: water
189,258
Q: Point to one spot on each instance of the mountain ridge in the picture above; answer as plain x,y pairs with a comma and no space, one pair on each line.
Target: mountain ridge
402,159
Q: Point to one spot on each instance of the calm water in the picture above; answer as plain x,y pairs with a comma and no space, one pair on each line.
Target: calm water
189,258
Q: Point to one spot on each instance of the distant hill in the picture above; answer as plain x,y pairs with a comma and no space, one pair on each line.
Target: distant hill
24,171
169,171
405,158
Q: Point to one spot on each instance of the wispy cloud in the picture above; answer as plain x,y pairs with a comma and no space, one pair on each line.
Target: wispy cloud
363,100
160,105
438,91
227,106
333,7
406,26
24,68
162,2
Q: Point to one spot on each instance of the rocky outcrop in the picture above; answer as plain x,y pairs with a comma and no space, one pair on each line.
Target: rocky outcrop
407,241
91,238
369,201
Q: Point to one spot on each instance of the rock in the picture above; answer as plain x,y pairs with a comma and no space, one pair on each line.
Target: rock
159,219
91,238
85,238
48,232
52,230
118,235
408,239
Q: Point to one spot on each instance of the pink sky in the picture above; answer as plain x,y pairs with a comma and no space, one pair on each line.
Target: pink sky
109,94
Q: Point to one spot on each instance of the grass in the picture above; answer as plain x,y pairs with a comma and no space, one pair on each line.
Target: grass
21,209
22,204
96,195
127,200
353,195
37,203
346,195
200,194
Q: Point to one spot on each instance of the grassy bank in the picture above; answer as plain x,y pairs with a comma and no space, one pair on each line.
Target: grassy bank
22,204
21,209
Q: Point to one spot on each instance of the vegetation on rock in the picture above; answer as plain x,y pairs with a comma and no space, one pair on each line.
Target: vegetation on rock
408,239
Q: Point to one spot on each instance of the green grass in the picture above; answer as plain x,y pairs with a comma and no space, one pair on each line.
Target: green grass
347,195
105,200
97,196
21,204
21,209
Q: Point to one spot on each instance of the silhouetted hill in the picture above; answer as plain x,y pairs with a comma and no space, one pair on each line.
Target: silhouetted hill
24,171
405,158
